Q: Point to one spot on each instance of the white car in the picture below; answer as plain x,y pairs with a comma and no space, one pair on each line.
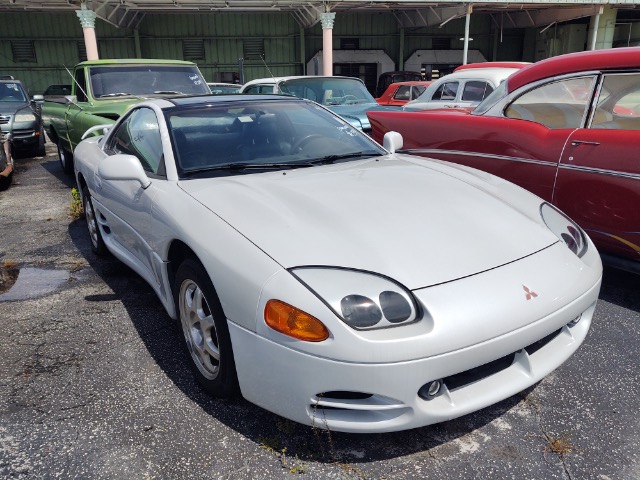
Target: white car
463,88
330,280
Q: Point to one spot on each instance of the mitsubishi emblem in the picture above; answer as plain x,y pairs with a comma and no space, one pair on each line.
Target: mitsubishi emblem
529,293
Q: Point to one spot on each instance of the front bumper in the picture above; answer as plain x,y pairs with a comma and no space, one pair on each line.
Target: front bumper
383,397
24,135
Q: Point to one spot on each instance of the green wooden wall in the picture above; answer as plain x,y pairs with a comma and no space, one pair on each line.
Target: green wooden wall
221,39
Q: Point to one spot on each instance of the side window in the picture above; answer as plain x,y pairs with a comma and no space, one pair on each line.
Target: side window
416,91
139,135
446,92
618,105
403,92
81,85
253,90
476,91
259,89
556,105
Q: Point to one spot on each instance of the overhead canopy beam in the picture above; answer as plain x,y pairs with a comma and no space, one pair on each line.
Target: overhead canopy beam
543,17
408,13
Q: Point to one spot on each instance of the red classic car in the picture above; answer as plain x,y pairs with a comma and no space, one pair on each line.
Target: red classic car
566,128
400,93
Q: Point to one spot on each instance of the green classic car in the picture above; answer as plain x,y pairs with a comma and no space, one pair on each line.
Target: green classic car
104,90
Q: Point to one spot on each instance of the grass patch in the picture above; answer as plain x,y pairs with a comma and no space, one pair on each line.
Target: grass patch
75,208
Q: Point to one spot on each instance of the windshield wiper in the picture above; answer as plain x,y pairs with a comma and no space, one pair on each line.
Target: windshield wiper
344,156
247,166
116,94
168,92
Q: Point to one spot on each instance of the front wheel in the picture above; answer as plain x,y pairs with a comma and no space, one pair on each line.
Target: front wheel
205,330
66,158
40,150
97,243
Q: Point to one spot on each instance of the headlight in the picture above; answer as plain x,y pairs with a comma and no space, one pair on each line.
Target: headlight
363,300
24,117
564,228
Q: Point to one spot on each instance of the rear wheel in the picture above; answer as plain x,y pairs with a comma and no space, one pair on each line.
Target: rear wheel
205,330
97,243
66,158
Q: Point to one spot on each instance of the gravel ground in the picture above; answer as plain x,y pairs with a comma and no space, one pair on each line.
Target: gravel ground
94,383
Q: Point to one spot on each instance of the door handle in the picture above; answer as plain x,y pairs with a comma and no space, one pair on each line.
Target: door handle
575,143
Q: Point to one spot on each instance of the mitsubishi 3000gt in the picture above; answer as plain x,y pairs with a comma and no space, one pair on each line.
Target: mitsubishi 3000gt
329,279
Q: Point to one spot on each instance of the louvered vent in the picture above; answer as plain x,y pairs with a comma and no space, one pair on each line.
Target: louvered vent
253,49
441,43
193,49
23,51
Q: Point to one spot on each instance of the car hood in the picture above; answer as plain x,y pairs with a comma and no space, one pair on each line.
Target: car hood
9,108
419,222
356,115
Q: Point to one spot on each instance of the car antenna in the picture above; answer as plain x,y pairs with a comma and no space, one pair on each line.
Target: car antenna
267,67
73,80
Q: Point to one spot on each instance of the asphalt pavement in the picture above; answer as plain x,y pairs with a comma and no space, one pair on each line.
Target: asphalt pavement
94,383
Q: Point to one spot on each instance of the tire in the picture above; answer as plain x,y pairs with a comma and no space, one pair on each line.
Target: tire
97,243
205,330
40,150
66,158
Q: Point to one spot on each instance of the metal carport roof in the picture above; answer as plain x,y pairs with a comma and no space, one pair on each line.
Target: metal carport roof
409,13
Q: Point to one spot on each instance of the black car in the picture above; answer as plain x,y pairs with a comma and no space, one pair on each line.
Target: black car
20,115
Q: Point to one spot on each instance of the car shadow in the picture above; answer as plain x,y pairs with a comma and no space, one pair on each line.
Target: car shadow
621,288
52,165
162,338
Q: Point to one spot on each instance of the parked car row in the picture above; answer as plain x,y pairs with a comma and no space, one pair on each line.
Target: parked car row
329,245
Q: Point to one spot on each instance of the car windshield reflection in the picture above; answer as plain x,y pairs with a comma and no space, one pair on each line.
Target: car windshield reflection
263,135
328,91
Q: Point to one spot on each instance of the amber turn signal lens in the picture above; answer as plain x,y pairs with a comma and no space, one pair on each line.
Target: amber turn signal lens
293,322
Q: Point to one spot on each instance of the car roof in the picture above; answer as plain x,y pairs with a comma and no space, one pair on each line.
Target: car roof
613,58
133,61
492,64
212,99
6,80
495,74
413,82
274,80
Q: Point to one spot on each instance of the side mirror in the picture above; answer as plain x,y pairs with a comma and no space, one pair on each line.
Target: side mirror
39,99
70,99
123,167
392,141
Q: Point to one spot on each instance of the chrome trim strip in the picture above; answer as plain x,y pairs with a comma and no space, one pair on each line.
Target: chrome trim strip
475,154
565,166
601,171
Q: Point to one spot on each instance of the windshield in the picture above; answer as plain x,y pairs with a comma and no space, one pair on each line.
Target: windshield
236,138
12,92
328,91
492,99
124,80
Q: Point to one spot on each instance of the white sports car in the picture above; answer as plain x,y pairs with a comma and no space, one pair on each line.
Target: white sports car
329,280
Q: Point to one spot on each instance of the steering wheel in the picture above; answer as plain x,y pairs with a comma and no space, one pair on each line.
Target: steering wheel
301,144
350,98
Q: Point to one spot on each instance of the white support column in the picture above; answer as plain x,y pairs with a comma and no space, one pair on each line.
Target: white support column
88,21
594,28
602,28
327,20
465,51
